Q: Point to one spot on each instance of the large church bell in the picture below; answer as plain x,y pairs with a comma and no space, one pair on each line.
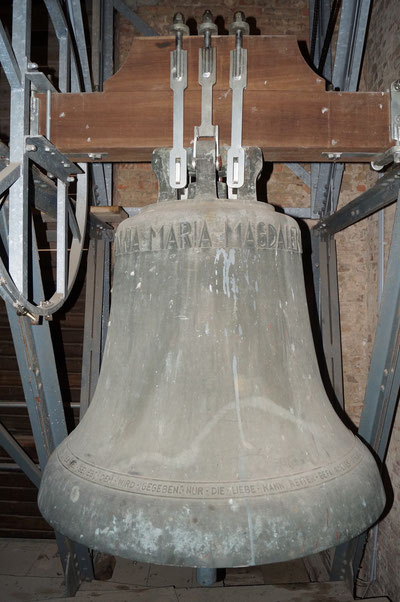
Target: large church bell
210,441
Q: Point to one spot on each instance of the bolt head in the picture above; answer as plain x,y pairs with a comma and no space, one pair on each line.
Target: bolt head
178,18
239,24
396,84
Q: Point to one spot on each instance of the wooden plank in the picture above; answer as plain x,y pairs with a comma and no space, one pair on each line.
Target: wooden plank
21,509
17,494
307,592
287,111
24,522
27,533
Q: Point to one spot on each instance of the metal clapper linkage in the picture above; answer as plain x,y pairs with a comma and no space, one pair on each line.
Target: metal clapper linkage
237,82
178,83
207,78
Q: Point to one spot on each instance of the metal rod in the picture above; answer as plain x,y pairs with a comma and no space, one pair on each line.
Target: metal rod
62,239
206,577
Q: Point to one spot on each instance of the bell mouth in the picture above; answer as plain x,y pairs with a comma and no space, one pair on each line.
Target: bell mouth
229,526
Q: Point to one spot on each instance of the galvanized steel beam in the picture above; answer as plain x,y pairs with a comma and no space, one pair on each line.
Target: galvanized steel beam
134,19
382,194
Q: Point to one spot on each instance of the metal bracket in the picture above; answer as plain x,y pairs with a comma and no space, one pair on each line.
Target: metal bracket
392,155
42,152
237,82
39,80
395,110
207,79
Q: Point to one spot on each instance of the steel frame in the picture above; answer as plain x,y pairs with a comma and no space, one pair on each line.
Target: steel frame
33,345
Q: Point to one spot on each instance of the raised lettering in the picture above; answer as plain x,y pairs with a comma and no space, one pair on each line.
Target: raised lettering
233,236
205,240
262,240
184,231
172,245
281,240
156,239
272,236
249,239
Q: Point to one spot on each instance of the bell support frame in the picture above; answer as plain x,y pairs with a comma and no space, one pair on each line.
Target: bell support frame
324,182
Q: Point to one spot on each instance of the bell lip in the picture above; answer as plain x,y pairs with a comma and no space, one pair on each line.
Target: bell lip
108,529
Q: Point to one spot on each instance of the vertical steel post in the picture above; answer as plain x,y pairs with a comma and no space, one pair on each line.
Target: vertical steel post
382,391
37,367
19,128
33,344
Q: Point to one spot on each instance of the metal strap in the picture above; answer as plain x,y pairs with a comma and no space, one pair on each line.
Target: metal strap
178,83
237,82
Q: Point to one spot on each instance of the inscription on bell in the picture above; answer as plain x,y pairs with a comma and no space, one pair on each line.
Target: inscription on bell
261,487
204,235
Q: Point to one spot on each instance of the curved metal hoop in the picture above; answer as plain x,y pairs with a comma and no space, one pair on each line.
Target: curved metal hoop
10,293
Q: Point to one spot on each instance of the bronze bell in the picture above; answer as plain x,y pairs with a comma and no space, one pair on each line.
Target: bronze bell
210,441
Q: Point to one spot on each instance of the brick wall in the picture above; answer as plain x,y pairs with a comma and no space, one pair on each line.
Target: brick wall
381,67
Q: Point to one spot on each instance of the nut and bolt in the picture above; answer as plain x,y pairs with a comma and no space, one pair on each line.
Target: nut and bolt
208,28
32,65
179,28
239,27
396,85
30,148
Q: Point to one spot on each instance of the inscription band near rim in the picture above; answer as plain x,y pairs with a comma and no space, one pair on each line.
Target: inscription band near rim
209,490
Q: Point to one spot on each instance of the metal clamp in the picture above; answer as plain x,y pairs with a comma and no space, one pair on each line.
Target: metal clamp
178,83
393,153
207,79
237,82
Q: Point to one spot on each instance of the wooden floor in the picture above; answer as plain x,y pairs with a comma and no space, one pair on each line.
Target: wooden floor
30,571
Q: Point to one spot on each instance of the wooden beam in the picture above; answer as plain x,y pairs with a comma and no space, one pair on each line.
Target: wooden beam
287,111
